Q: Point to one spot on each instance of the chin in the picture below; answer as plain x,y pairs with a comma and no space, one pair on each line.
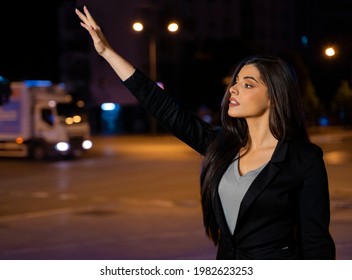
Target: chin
233,114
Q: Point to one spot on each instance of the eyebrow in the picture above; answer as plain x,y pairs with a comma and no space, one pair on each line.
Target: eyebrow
248,77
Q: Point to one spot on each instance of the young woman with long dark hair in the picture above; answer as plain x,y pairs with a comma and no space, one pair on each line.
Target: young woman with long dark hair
264,185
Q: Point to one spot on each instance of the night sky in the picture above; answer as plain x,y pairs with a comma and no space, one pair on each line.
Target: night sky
29,48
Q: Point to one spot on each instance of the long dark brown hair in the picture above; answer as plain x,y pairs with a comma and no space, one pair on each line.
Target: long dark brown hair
286,122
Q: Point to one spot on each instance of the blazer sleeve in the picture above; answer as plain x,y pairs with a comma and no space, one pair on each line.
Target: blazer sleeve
314,203
182,123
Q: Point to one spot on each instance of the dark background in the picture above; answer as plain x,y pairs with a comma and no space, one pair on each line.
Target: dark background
29,46
30,49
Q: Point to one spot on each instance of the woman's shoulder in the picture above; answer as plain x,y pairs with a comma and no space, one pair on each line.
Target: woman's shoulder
305,144
305,148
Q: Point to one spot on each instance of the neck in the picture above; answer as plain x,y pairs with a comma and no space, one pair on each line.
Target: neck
260,135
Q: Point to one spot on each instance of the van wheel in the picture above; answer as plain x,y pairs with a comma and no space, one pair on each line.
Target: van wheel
38,152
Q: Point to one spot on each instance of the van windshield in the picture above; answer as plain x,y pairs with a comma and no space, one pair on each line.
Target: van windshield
70,110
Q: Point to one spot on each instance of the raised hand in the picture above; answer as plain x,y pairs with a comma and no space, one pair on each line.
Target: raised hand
100,42
121,66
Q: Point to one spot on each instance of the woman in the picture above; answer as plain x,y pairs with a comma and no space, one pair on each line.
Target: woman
264,185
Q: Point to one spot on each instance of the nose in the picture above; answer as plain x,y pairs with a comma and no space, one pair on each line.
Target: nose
233,90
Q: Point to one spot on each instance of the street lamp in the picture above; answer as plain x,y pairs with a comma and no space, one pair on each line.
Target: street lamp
330,51
341,101
139,27
172,27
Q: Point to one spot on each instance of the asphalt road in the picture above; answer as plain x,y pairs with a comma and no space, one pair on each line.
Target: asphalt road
133,197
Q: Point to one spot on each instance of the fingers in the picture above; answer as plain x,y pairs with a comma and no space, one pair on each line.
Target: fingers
87,20
81,16
89,16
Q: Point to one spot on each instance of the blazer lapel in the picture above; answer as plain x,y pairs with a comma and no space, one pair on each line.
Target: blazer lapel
263,179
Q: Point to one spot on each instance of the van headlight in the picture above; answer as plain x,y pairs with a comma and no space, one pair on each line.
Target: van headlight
87,144
62,146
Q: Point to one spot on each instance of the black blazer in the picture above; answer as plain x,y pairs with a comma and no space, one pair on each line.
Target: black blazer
285,213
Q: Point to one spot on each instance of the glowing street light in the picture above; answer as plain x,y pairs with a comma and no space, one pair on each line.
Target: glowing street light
172,27
330,51
138,27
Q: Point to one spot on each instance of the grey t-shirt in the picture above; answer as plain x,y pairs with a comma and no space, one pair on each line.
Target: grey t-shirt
232,189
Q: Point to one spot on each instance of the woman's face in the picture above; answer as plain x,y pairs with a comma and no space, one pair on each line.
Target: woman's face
248,95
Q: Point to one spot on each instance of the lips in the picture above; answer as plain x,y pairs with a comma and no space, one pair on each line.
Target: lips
233,102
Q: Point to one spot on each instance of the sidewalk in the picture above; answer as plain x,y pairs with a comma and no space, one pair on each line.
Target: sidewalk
336,143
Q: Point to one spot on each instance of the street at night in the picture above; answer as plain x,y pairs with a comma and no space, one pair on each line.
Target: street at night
133,197
92,182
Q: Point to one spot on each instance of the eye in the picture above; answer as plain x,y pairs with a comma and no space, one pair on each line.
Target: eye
247,86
